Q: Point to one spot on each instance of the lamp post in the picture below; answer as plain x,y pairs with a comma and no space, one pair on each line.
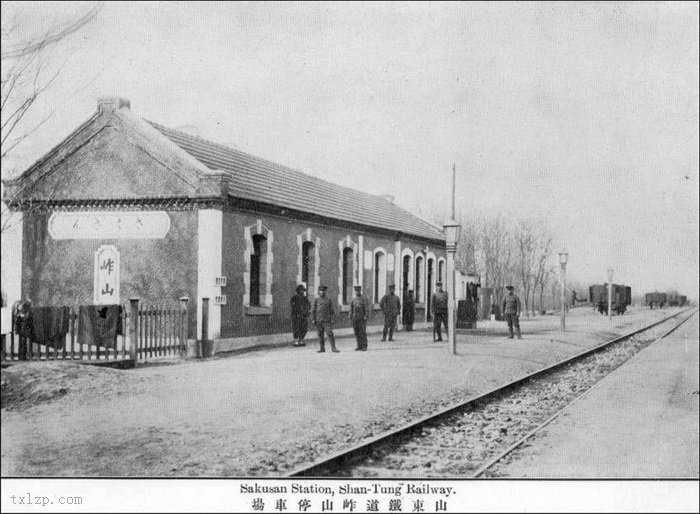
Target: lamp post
563,257
610,279
451,238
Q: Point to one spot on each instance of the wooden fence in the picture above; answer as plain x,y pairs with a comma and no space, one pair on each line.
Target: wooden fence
161,331
147,332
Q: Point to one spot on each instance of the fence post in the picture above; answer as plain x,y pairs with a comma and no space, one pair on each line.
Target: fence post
134,329
205,327
185,325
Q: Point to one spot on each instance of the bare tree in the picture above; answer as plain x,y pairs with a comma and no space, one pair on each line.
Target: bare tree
526,260
30,67
542,273
466,255
496,254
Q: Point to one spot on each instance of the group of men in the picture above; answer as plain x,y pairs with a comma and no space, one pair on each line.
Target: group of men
322,314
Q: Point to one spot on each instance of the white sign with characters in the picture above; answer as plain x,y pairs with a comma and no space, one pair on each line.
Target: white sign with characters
106,275
109,225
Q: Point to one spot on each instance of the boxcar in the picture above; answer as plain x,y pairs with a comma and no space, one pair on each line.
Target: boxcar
655,298
621,298
673,298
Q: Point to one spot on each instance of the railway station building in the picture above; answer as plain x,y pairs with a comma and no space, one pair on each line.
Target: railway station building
126,208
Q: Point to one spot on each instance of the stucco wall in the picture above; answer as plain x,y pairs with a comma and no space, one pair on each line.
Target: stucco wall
61,271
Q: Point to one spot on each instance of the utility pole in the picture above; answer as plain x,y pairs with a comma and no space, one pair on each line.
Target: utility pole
451,229
563,257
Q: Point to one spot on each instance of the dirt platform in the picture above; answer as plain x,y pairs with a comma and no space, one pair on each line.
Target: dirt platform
266,412
639,422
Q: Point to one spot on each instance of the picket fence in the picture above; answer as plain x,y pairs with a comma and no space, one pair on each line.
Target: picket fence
148,332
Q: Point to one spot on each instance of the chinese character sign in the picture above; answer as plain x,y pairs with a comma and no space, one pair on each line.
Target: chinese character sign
106,275
109,224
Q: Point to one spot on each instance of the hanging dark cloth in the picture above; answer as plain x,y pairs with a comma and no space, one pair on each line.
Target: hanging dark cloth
120,322
50,325
98,325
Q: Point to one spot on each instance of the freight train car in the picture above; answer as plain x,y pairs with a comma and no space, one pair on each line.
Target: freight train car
621,298
655,298
674,299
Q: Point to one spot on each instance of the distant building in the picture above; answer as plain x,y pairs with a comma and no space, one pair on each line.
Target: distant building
127,208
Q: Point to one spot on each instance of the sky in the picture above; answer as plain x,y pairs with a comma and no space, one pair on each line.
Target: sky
584,115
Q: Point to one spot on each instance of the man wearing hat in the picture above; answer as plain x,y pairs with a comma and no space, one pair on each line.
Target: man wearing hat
300,314
359,313
438,306
323,316
391,307
511,309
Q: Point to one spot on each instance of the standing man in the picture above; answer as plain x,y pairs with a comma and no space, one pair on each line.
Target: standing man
391,306
359,313
439,307
511,308
300,314
409,311
323,315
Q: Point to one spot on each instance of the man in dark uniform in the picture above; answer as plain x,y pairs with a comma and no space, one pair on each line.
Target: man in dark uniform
439,304
511,309
409,311
323,316
391,306
300,314
359,313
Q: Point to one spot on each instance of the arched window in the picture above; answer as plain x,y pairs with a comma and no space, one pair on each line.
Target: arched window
348,266
441,271
418,285
307,265
406,273
379,275
257,277
348,272
257,268
308,261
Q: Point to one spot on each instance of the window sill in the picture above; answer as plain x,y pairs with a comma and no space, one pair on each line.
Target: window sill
251,310
344,308
420,306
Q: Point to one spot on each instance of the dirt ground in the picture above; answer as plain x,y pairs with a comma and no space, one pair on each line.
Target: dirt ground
266,412
639,422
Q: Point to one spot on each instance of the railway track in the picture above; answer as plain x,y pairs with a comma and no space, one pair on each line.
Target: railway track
468,438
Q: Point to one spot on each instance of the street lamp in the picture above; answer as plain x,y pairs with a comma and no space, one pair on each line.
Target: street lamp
610,278
451,237
563,257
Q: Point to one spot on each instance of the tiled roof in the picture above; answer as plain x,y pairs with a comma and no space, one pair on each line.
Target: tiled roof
256,179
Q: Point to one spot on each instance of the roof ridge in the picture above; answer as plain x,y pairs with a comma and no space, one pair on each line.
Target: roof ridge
284,166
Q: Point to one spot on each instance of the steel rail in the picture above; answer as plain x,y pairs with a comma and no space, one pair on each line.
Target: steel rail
350,456
492,462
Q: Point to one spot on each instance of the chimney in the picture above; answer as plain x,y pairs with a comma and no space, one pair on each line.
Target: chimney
389,198
111,104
